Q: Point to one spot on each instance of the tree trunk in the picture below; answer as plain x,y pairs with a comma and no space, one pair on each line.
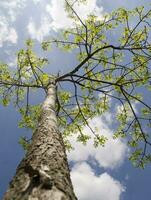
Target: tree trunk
44,173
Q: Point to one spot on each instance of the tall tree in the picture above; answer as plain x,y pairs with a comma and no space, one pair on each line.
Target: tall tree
106,69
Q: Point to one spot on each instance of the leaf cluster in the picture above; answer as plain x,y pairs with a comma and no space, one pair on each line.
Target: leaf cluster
109,72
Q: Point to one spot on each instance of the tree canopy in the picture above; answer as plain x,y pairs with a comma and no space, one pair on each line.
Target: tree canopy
107,73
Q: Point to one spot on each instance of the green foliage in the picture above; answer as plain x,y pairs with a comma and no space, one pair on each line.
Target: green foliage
24,143
30,116
100,140
46,45
4,72
83,138
5,101
107,68
45,79
113,71
29,43
64,96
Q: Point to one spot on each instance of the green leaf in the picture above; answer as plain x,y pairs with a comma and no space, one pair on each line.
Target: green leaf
24,143
5,101
46,46
100,140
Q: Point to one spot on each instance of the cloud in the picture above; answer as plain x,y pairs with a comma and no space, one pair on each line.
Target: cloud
9,13
60,18
7,33
13,63
36,1
12,8
110,156
89,186
39,32
55,17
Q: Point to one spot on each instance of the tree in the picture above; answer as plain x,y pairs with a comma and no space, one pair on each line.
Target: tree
117,70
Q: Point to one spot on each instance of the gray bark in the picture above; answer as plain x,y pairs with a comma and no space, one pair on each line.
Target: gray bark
43,174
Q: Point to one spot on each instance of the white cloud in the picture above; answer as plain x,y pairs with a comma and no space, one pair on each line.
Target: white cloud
36,1
13,63
7,33
9,12
40,32
59,16
89,186
110,156
12,35
12,8
55,17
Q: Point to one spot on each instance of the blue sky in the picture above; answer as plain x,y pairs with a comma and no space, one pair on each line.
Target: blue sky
99,174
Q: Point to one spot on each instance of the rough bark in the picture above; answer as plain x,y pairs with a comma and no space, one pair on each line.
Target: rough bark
43,174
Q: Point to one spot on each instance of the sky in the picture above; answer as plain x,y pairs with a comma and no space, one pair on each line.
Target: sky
97,173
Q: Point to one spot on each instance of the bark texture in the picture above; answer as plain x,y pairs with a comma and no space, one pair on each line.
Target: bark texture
44,173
